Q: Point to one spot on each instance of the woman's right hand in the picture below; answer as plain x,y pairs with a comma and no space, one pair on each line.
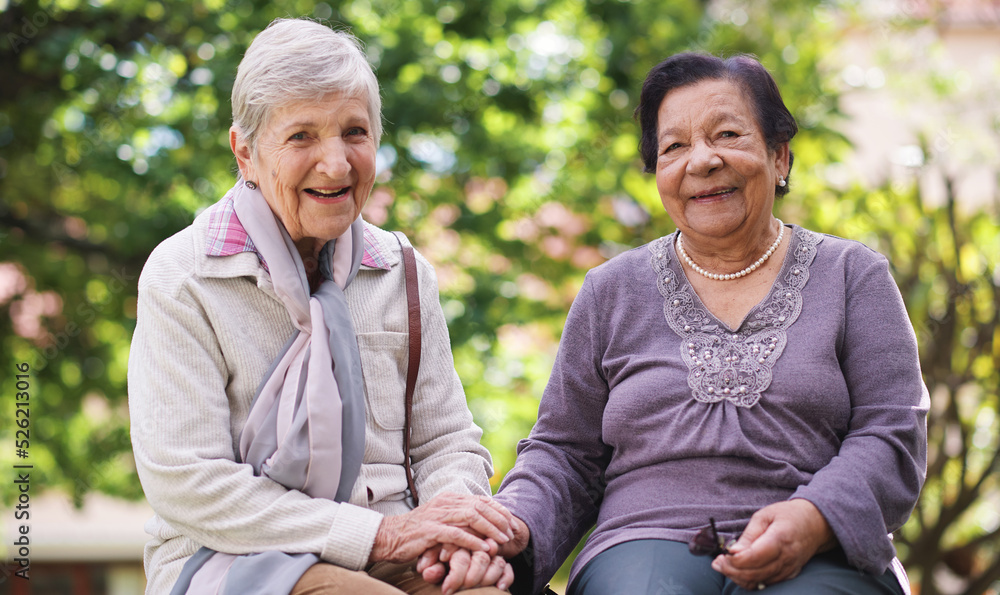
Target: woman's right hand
462,520
779,540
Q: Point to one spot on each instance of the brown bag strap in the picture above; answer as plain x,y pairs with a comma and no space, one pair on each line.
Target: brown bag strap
413,318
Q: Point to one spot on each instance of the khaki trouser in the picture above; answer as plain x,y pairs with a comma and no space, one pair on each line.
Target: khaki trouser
381,579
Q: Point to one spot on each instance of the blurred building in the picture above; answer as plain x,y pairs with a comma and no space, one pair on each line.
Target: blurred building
94,550
921,96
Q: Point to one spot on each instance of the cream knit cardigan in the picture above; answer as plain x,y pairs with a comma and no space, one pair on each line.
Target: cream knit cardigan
208,330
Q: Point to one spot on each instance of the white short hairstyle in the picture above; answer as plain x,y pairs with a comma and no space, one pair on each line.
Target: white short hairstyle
296,60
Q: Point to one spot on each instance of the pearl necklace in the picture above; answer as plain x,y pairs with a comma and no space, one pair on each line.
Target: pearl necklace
738,274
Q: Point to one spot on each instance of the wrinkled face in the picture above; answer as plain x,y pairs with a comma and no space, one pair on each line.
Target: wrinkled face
314,164
714,172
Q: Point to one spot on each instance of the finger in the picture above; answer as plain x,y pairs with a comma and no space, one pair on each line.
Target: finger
522,535
507,579
494,571
755,552
428,558
758,524
494,547
789,571
446,552
460,538
477,569
506,514
488,521
486,516
745,575
458,566
464,517
783,568
435,573
465,509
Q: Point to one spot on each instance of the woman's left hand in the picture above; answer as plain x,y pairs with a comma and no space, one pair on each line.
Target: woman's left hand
776,544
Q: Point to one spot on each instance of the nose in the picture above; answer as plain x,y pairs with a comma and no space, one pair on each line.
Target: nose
332,161
704,159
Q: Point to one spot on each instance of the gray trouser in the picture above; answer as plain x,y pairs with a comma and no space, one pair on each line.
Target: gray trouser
659,567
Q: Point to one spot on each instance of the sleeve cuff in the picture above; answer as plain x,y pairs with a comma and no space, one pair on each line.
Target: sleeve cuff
352,536
865,541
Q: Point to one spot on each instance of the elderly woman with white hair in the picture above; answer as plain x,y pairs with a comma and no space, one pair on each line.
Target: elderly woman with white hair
268,374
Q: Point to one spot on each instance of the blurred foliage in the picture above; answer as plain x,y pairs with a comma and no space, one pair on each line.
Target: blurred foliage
509,157
947,265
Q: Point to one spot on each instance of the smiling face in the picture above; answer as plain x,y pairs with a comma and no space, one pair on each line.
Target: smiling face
315,166
714,172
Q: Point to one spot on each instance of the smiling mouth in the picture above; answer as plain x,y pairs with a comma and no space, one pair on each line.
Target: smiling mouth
328,194
717,193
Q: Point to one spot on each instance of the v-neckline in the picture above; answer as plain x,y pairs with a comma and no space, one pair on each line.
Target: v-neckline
782,272
728,364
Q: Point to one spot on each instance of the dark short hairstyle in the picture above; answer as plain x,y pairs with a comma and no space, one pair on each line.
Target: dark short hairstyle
679,70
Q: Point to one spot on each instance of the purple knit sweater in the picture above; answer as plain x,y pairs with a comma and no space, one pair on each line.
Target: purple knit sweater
658,416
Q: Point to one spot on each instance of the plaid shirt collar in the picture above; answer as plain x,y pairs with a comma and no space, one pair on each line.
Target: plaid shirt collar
226,237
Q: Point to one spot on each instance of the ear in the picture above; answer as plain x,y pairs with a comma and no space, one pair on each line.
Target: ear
781,164
243,154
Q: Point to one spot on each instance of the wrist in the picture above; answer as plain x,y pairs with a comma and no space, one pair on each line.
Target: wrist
826,539
381,543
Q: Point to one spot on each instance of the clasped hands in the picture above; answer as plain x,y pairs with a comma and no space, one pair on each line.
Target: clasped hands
460,540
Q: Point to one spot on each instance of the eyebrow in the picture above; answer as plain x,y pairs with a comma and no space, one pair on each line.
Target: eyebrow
717,117
299,124
359,120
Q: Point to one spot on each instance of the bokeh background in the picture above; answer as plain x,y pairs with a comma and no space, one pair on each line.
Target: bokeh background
510,159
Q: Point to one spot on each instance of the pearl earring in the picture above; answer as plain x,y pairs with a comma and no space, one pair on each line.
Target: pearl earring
781,181
253,185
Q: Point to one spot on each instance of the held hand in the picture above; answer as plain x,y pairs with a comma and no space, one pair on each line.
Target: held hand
776,544
467,570
431,564
447,519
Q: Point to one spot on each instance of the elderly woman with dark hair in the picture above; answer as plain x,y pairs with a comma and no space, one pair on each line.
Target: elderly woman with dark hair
746,384
269,365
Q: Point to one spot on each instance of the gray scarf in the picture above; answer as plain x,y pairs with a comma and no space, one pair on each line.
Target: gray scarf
306,428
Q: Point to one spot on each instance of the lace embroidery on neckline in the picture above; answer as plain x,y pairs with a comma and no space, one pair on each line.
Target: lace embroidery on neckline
733,366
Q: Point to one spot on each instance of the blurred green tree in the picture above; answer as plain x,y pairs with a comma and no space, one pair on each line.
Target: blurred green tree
509,157
947,265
